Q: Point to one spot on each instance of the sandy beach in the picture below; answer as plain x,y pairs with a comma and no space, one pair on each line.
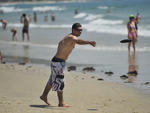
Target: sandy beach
21,86
24,76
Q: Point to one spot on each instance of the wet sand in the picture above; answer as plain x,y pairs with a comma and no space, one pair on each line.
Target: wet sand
22,85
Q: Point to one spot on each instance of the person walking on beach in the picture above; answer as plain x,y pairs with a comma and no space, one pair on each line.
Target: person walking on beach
14,34
4,23
132,32
26,21
65,47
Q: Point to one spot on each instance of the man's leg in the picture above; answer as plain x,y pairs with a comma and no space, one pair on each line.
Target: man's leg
12,38
16,38
22,36
4,26
60,98
45,93
28,36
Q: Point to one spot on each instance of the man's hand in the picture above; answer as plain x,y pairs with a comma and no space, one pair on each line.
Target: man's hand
93,43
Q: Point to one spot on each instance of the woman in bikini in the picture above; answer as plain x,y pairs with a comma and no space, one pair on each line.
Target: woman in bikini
132,34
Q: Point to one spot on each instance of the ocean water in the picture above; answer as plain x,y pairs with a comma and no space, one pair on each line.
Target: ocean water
103,21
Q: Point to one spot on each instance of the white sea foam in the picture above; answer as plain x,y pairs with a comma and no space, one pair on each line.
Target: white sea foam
106,26
102,7
39,25
48,8
15,25
107,29
49,26
11,9
95,24
106,22
111,26
92,17
144,32
80,15
28,44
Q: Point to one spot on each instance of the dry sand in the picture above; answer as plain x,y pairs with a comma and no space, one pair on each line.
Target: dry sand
21,86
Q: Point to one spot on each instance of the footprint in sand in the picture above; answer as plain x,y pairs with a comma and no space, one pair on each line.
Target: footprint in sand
92,109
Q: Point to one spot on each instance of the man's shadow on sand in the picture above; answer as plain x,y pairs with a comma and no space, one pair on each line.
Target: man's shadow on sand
57,108
47,107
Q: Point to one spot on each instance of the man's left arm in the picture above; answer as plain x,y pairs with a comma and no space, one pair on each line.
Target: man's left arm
83,42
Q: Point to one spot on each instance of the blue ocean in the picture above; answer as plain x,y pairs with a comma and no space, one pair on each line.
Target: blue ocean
103,21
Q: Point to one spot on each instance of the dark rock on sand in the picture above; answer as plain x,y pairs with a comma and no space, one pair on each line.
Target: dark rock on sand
71,68
82,78
93,77
123,76
3,62
146,83
101,79
89,69
109,73
22,63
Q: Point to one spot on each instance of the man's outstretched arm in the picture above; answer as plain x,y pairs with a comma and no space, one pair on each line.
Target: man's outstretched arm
83,42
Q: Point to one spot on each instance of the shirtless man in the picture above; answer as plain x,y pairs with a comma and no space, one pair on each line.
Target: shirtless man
65,47
25,20
4,23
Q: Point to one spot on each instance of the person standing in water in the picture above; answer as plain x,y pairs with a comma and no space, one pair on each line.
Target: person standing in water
132,32
65,47
35,17
53,17
14,34
4,23
26,21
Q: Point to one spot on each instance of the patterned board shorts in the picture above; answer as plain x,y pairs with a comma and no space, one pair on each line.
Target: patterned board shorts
56,79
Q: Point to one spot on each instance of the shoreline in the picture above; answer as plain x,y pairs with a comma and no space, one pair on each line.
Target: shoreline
99,71
25,84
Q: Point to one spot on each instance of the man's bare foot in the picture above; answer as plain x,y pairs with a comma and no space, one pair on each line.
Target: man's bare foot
63,105
45,100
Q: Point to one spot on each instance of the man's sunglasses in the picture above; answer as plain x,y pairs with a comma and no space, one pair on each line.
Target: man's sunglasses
79,29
